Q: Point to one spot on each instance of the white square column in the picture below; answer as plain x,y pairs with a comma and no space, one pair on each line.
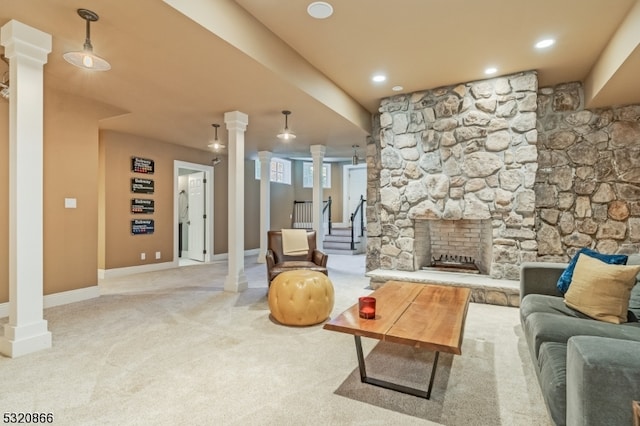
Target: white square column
27,49
317,153
265,202
236,122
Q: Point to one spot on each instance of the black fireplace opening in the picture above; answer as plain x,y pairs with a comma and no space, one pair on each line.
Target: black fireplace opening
454,263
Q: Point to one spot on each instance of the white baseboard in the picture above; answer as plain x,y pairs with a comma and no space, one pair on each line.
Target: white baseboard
87,293
120,272
62,298
130,270
225,256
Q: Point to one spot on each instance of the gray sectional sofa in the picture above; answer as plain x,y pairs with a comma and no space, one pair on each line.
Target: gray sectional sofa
588,370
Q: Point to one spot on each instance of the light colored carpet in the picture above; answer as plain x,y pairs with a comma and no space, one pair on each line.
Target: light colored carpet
172,348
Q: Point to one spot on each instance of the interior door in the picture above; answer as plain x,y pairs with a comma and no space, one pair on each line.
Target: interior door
196,216
356,187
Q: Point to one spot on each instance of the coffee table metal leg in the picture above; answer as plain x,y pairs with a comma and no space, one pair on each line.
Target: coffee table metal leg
393,386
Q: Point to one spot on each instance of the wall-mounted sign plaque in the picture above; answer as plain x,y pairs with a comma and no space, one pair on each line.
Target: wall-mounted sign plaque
142,186
142,205
142,226
142,165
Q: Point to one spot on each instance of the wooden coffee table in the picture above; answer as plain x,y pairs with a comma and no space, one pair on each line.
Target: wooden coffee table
420,315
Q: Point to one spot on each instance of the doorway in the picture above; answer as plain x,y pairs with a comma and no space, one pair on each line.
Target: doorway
193,213
354,180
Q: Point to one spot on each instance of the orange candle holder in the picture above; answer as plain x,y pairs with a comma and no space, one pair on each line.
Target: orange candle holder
367,307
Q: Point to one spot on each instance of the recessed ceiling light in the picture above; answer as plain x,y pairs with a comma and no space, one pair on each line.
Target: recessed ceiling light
491,70
320,10
545,43
397,88
379,78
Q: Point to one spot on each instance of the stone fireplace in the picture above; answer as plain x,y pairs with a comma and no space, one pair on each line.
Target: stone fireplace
542,174
548,175
453,159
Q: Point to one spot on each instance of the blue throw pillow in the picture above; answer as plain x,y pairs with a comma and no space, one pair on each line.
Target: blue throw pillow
567,275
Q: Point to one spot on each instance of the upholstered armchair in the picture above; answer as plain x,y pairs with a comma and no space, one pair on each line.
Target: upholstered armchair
278,262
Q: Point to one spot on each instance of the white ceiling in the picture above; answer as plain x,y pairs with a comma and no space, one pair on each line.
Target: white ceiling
173,76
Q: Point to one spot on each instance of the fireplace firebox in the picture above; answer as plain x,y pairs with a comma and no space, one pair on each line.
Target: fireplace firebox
453,245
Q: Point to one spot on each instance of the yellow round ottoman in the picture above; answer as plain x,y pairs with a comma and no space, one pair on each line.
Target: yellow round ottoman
301,297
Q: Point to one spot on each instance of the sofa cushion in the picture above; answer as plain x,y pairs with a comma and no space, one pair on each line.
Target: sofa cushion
541,327
603,378
601,290
565,279
634,304
543,303
634,299
553,379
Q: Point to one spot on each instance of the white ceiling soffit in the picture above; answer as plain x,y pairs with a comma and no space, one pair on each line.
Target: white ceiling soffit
230,22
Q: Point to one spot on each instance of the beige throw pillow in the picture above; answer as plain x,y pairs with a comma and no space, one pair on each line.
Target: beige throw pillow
600,290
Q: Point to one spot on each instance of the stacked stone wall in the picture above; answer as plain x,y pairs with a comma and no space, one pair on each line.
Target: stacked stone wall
374,229
588,181
460,152
586,190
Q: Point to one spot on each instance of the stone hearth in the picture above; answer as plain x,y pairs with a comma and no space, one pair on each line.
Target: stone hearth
483,289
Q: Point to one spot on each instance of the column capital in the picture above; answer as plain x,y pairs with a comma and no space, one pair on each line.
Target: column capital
236,120
22,40
318,150
265,156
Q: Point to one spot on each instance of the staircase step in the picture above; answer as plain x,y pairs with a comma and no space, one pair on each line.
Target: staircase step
339,238
345,252
339,245
343,247
340,231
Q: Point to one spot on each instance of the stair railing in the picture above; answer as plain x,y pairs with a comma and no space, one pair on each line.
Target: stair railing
359,212
302,215
326,214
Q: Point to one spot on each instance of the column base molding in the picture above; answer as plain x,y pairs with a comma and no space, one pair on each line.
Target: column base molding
23,340
236,284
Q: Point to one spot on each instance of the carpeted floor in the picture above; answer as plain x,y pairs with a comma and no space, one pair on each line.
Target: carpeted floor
172,348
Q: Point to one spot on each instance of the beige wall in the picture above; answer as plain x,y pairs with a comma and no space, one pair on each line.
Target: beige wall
121,248
94,168
101,206
252,207
70,160
221,210
220,206
282,197
335,192
70,171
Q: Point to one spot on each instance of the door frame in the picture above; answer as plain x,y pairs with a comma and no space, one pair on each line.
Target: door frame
197,224
345,190
208,173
